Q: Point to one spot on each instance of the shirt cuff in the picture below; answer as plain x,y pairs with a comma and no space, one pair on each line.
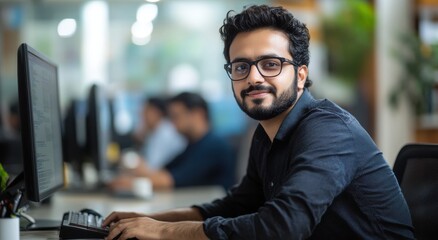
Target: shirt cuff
201,210
214,228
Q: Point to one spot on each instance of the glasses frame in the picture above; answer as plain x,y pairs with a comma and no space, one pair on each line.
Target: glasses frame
227,66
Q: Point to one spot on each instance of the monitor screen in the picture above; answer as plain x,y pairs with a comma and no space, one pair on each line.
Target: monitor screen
40,123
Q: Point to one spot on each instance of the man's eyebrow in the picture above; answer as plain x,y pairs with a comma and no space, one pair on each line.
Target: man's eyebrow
241,59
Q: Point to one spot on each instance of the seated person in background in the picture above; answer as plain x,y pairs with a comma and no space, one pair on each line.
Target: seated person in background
10,129
207,160
10,140
313,171
160,141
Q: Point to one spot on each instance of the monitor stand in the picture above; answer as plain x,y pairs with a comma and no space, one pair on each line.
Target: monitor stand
28,223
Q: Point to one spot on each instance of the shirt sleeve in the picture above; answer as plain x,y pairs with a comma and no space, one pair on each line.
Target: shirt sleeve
318,173
242,199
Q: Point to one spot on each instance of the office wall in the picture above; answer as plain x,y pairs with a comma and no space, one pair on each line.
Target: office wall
395,127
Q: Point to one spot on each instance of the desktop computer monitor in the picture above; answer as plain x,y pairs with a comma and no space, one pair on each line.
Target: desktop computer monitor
99,131
40,124
74,136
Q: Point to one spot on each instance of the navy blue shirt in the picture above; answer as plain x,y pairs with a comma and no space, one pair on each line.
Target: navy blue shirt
209,161
322,177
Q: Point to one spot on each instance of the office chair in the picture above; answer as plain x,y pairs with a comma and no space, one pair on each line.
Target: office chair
416,170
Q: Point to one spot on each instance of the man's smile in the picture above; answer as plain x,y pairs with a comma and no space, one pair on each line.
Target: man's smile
258,93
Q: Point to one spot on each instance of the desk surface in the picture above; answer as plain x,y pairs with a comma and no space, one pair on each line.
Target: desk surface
105,204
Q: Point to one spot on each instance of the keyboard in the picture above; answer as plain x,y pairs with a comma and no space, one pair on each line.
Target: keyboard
81,225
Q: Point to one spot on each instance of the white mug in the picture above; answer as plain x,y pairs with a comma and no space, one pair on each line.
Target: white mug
9,228
142,188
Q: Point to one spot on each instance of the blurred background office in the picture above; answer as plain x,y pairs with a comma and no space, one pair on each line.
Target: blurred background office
376,58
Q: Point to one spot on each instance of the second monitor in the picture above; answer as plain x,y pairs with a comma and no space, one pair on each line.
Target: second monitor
98,131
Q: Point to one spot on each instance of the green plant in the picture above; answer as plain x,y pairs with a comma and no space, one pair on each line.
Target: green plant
419,62
4,177
348,35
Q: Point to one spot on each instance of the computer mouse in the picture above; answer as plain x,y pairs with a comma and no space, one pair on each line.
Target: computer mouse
90,211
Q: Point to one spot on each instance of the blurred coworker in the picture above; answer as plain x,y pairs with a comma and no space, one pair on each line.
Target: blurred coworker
11,129
160,140
207,160
160,143
10,141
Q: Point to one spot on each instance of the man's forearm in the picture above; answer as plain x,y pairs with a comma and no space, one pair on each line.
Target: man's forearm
177,215
161,179
184,230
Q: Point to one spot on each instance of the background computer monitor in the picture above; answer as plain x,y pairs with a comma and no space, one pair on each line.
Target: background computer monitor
99,131
40,124
74,137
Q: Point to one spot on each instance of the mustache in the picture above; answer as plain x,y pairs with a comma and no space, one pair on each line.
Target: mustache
251,88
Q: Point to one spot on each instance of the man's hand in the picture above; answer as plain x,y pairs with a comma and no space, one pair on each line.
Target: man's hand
148,228
140,228
117,216
184,223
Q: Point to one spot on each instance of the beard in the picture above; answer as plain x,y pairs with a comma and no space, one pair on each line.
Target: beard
280,103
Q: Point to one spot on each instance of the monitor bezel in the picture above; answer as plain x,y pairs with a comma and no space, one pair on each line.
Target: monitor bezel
27,129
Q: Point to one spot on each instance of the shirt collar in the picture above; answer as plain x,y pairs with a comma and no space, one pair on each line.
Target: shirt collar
294,116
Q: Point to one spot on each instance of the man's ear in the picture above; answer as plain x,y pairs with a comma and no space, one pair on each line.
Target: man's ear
302,72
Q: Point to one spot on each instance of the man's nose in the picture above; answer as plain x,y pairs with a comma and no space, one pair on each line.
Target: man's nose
254,77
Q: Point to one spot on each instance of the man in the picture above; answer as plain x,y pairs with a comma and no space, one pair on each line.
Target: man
161,141
207,159
313,172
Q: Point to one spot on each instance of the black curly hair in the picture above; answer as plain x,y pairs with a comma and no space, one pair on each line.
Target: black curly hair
263,16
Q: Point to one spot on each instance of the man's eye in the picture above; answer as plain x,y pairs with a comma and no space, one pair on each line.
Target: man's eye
269,64
240,67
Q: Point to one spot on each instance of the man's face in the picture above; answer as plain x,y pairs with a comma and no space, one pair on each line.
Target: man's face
261,97
180,117
151,116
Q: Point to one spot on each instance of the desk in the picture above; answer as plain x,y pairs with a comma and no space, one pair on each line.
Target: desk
105,204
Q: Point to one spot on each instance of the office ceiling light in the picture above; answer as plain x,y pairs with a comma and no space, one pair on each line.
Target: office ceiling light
95,26
141,41
147,12
183,77
141,32
193,14
141,29
152,1
67,27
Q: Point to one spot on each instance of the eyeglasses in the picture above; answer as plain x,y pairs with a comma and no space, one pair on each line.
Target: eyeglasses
267,67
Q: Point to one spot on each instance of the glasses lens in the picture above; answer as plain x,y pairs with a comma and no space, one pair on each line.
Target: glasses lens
269,67
239,70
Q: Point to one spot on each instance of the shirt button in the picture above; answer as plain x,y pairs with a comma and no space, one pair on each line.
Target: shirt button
272,184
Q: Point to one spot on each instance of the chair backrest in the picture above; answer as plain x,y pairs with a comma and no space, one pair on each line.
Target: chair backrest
416,170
